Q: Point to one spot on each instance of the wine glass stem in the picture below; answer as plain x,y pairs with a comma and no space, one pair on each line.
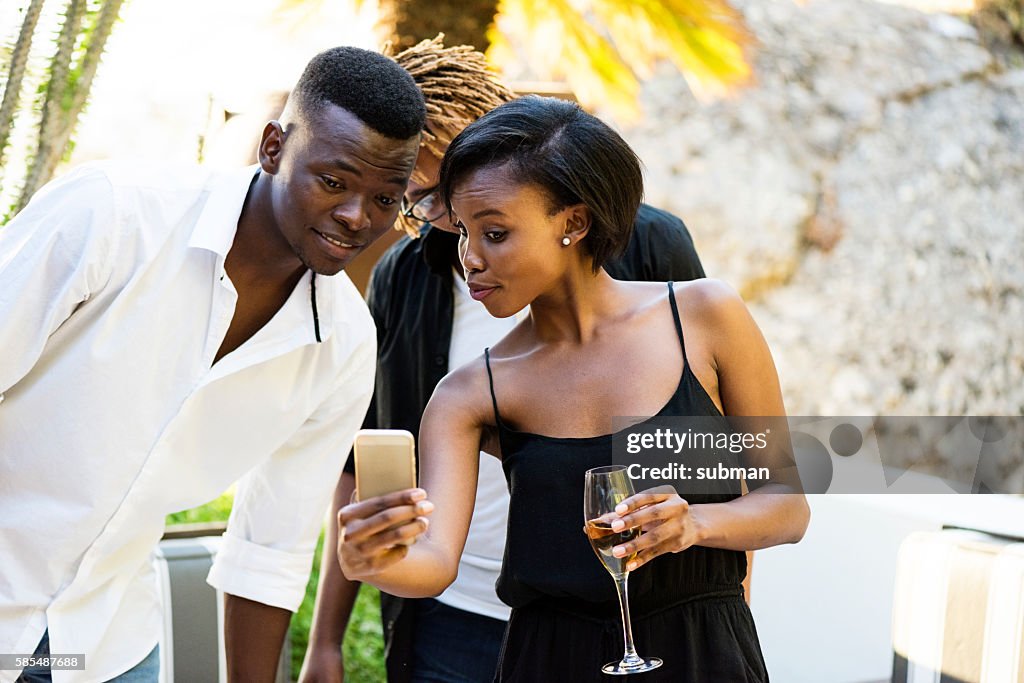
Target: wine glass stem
627,629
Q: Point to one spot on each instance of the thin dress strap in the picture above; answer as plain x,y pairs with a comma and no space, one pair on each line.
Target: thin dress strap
675,316
490,383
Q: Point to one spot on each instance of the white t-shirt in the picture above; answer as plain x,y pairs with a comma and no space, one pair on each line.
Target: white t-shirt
113,302
474,329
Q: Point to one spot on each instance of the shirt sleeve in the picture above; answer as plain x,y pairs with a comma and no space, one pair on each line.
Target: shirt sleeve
54,256
279,507
660,249
683,263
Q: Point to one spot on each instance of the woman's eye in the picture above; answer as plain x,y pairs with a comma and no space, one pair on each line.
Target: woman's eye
386,201
495,235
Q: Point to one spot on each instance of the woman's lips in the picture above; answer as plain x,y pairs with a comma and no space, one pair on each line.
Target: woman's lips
480,291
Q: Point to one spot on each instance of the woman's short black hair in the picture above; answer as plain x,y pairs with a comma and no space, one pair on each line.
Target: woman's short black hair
557,146
373,87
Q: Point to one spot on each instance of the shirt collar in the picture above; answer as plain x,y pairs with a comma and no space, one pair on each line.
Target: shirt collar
215,229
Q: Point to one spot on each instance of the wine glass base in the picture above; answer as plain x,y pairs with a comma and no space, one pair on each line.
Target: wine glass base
624,668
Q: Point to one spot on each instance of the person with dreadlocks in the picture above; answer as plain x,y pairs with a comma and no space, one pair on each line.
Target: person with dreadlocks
429,324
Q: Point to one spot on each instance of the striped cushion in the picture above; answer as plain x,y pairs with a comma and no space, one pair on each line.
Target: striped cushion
958,611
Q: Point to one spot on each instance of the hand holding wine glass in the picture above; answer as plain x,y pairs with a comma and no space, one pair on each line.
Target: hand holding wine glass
668,522
604,489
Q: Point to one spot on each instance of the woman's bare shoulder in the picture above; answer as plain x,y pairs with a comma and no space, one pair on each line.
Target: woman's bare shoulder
710,299
466,377
466,389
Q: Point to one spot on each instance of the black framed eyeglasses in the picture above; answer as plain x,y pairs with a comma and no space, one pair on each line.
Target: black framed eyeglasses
426,209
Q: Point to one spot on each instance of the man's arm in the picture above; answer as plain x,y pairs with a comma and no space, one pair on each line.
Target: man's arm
660,249
266,553
335,597
253,635
669,251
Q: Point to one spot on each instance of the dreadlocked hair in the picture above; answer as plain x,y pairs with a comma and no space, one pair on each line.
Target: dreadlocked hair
458,88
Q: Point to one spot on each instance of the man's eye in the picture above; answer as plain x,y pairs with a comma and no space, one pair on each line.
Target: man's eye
331,182
386,201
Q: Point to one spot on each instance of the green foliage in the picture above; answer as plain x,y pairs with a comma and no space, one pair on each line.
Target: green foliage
364,645
217,510
364,640
298,630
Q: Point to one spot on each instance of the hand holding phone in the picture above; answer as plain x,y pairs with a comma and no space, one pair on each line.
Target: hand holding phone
375,535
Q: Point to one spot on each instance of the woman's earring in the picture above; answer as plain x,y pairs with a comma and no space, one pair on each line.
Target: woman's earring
566,241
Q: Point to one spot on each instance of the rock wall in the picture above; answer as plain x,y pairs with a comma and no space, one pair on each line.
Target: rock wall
866,196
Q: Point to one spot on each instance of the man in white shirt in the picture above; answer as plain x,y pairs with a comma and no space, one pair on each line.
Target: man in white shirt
166,331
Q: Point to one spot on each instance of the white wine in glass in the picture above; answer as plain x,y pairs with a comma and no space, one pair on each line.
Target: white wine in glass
604,488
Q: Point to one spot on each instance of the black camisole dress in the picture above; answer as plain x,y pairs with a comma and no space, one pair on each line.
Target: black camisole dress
686,608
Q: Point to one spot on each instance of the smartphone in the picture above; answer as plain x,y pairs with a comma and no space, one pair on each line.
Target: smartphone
385,462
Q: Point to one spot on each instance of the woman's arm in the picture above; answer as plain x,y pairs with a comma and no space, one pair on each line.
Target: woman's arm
748,383
387,541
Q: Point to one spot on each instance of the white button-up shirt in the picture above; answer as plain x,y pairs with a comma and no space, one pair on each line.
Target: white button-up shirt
113,303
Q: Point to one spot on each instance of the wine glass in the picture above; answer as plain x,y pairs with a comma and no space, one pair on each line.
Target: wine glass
604,488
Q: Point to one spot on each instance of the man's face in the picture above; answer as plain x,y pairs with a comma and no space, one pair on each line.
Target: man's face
422,193
337,185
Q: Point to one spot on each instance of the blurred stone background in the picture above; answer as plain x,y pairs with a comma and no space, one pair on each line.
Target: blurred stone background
866,196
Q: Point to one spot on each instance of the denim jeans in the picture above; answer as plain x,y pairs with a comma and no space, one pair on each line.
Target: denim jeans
455,646
146,671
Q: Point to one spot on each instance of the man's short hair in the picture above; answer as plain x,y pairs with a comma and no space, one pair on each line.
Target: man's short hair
572,156
377,90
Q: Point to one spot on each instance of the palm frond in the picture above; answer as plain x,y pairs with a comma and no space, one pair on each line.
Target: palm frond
603,47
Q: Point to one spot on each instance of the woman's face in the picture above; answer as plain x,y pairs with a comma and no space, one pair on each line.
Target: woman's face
511,245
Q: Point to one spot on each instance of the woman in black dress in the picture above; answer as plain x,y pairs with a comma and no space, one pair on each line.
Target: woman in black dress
543,194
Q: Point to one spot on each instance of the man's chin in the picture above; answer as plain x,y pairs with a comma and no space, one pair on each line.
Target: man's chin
328,270
330,266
